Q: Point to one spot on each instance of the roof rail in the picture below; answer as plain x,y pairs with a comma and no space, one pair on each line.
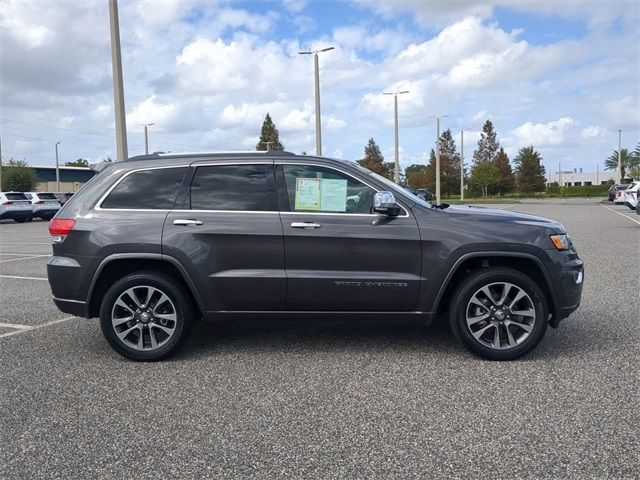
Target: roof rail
235,153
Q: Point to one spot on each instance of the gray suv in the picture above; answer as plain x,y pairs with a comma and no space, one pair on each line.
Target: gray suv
153,243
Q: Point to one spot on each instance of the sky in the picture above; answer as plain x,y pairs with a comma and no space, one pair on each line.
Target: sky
561,76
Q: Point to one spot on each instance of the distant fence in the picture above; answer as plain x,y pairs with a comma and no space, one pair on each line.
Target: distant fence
64,186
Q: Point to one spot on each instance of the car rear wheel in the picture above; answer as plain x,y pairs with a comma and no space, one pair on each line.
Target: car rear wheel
499,313
146,316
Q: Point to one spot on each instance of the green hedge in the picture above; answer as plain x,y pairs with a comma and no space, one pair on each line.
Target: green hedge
588,191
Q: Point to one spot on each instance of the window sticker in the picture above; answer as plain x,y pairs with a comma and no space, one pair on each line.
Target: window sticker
333,195
307,194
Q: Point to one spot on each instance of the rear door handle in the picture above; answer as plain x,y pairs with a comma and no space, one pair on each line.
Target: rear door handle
306,225
187,223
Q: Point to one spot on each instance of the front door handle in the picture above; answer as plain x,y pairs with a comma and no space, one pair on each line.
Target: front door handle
305,225
187,223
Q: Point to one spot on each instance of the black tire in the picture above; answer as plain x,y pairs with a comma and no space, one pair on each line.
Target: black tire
494,275
180,301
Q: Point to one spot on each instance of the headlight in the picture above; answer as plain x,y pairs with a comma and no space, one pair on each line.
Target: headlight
561,242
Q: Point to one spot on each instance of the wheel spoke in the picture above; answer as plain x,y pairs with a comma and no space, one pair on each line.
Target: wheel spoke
120,303
124,334
152,337
132,295
473,320
141,338
506,288
487,292
521,294
167,330
119,321
163,299
529,312
496,337
523,326
166,316
480,332
510,340
474,300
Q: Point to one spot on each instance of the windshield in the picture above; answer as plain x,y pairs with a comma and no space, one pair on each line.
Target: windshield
393,187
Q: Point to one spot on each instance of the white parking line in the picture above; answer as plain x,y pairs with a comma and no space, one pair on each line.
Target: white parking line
23,278
28,243
508,206
622,214
26,328
15,325
30,257
22,255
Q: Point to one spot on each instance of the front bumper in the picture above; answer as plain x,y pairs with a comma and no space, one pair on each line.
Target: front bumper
567,278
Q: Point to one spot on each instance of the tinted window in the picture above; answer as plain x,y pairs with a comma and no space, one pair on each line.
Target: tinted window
233,187
16,196
147,189
313,188
47,196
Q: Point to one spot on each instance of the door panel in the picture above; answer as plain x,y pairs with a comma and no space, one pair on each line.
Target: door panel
348,261
235,257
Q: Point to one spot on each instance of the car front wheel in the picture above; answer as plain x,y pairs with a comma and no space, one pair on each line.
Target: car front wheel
499,313
146,316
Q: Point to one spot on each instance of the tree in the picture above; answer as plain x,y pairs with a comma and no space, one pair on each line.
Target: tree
488,145
628,159
449,166
373,159
81,162
634,165
416,176
19,177
529,170
484,175
390,168
269,133
506,180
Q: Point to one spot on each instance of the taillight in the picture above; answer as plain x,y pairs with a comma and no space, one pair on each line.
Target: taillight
59,228
39,201
7,202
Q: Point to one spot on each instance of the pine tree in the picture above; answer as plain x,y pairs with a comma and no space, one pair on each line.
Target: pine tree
373,159
530,172
416,175
506,180
269,136
449,166
488,145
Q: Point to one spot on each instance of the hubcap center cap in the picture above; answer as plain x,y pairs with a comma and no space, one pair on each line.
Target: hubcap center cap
500,315
145,317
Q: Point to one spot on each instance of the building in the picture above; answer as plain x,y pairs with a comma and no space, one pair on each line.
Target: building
71,178
578,178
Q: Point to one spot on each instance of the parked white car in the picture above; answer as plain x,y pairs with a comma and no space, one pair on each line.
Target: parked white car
15,206
45,205
630,195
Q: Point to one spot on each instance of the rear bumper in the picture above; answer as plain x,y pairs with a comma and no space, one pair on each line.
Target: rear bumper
17,213
72,307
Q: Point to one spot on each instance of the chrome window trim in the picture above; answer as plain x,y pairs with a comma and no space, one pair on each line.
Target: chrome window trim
350,175
98,205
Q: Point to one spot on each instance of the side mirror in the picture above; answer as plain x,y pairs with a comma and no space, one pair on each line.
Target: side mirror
385,202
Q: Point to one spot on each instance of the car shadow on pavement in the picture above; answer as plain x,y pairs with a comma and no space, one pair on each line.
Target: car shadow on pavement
334,334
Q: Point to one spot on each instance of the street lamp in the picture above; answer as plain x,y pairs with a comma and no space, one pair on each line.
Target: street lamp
57,170
461,164
620,156
146,137
395,105
438,155
317,83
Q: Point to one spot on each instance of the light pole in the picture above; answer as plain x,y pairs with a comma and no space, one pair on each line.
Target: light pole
620,156
317,83
118,89
57,170
396,175
461,164
438,155
268,144
0,164
146,137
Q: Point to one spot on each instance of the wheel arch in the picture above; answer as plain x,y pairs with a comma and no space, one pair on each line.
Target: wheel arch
524,262
116,266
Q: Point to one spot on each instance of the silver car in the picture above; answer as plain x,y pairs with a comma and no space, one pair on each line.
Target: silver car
45,205
15,206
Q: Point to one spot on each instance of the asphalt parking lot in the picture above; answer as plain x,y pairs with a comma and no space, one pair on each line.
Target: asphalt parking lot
326,398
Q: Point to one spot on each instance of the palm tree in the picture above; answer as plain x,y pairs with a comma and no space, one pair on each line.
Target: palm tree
627,159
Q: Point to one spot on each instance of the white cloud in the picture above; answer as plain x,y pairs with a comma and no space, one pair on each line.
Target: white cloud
591,132
294,6
544,134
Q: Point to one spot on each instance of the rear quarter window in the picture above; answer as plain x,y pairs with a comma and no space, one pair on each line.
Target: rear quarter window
154,189
47,196
16,196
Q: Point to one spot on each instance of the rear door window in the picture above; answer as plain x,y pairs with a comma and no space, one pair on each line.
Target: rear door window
154,189
16,196
248,187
